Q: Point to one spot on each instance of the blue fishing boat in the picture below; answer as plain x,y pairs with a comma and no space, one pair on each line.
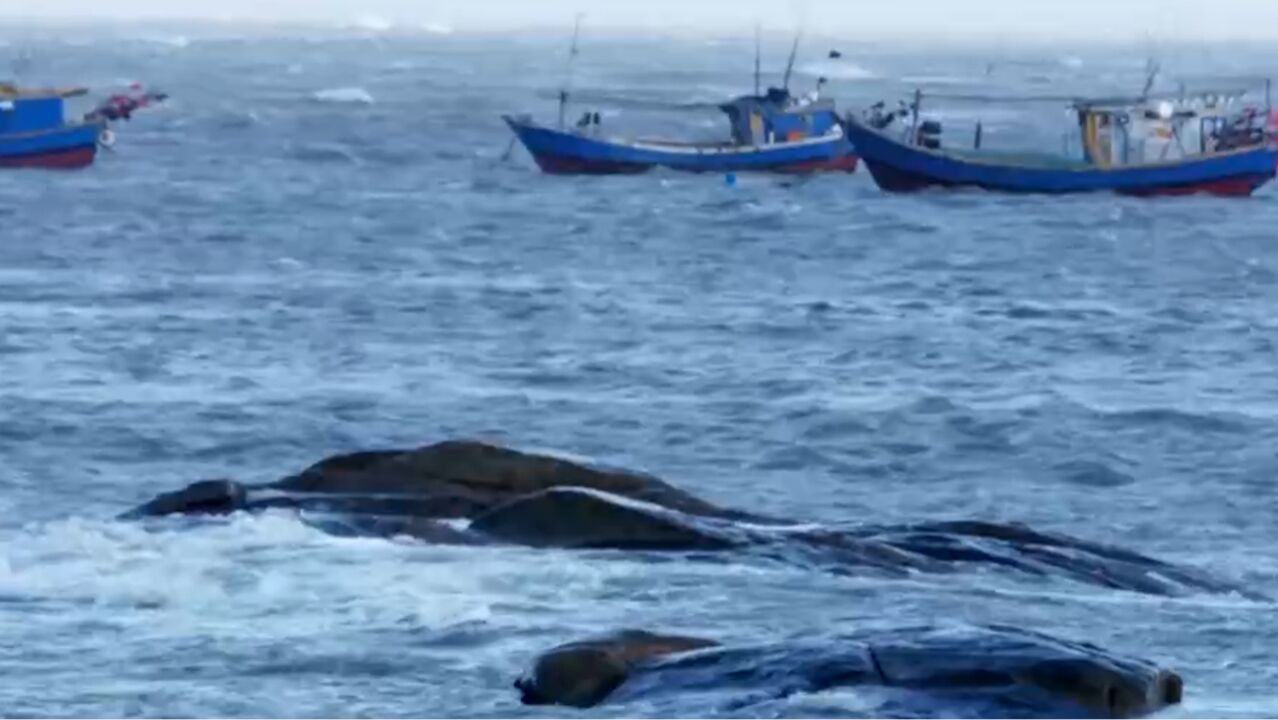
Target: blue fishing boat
1129,146
771,131
34,131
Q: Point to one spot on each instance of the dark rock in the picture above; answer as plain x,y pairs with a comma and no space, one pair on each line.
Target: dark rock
580,518
207,497
989,671
542,501
478,477
582,674
1017,546
1021,668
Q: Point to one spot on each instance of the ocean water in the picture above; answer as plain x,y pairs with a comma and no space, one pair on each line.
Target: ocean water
321,244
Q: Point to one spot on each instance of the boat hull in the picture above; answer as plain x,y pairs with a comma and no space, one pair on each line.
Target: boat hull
565,153
63,148
898,167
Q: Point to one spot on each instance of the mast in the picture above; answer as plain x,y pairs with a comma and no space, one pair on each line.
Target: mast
789,65
1152,68
572,56
914,126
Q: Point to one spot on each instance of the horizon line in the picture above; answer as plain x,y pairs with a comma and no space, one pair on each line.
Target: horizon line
399,27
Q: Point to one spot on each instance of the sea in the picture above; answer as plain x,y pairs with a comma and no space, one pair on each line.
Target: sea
325,241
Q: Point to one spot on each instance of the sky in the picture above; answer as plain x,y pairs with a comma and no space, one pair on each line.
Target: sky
1101,19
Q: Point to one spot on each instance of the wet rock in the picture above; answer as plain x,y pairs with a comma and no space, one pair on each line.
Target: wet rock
580,518
207,497
478,477
931,671
540,501
583,673
1018,668
1019,547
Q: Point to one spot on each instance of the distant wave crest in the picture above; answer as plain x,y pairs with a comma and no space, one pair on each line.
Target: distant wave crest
837,70
346,95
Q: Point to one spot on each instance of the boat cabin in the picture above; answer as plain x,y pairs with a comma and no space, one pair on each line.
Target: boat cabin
1165,130
778,117
29,111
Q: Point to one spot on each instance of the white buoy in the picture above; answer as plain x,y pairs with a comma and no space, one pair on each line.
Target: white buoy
106,138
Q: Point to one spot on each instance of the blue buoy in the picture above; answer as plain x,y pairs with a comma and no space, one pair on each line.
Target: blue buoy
730,180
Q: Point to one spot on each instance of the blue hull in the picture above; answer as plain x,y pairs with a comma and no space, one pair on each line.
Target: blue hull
562,152
69,146
900,167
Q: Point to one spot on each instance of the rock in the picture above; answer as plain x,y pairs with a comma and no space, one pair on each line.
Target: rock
541,501
1021,668
580,518
207,497
1016,546
582,674
478,477
953,671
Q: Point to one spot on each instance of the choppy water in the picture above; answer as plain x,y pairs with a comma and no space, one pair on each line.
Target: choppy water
317,247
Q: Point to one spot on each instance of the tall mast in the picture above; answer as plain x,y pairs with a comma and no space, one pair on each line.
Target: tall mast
572,56
789,66
1152,68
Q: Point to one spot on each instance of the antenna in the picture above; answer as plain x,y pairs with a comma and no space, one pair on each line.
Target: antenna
1152,69
572,56
789,65
758,52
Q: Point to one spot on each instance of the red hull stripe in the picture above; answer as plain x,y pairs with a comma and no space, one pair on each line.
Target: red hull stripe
1229,187
69,158
894,180
559,165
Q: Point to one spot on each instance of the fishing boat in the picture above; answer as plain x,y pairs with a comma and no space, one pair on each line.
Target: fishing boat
770,131
35,131
1175,145
768,134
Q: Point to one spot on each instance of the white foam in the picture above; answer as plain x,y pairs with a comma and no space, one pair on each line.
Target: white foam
346,95
222,577
173,41
213,576
837,70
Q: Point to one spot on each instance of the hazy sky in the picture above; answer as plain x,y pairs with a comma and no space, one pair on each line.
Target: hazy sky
1180,19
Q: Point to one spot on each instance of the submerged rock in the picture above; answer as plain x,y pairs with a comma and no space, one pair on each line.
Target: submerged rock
933,671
